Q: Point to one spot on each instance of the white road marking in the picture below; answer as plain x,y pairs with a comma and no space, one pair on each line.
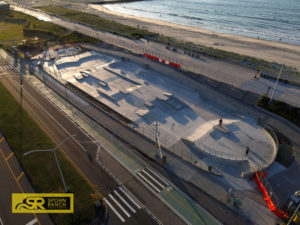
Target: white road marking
113,209
166,183
32,222
124,192
153,179
147,181
123,200
1,221
119,205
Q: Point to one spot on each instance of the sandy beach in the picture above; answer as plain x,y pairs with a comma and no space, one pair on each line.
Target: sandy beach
271,51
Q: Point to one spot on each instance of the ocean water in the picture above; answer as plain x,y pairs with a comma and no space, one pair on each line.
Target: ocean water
277,20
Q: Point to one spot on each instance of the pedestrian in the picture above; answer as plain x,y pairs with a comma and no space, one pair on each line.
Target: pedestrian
236,202
220,121
247,151
230,195
209,168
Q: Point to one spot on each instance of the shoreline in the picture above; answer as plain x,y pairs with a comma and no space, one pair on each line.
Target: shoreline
268,50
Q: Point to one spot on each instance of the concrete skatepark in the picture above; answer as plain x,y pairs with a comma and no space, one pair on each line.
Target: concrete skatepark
185,116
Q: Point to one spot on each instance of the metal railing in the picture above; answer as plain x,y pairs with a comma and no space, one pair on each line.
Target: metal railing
221,155
261,167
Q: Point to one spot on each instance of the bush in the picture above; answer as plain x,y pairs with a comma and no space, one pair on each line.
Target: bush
285,110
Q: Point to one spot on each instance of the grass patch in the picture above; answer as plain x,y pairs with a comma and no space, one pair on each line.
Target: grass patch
285,110
286,151
285,155
19,26
35,24
41,167
10,33
76,37
98,22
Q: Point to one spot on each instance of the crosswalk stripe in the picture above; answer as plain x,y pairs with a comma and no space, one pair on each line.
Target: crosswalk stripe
123,200
6,67
124,192
154,179
34,221
159,177
147,181
113,209
119,205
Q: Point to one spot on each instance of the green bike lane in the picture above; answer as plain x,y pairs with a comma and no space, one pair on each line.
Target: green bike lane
188,208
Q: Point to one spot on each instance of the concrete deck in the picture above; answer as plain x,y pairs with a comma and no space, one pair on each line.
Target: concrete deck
146,96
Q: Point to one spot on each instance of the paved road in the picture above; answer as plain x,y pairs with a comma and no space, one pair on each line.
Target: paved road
13,180
82,152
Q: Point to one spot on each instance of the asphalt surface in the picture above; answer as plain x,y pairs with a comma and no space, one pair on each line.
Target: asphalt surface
82,152
14,180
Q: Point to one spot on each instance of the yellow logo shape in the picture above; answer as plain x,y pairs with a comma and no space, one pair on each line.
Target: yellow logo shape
42,203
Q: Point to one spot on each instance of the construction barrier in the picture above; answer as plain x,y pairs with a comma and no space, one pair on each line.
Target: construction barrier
281,214
162,60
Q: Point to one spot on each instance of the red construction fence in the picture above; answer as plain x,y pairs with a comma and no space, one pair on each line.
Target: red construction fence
176,65
281,214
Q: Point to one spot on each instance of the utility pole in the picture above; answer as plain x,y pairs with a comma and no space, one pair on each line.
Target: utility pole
21,101
276,83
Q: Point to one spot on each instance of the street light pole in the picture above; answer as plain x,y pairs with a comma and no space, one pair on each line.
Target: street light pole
276,83
56,159
60,172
